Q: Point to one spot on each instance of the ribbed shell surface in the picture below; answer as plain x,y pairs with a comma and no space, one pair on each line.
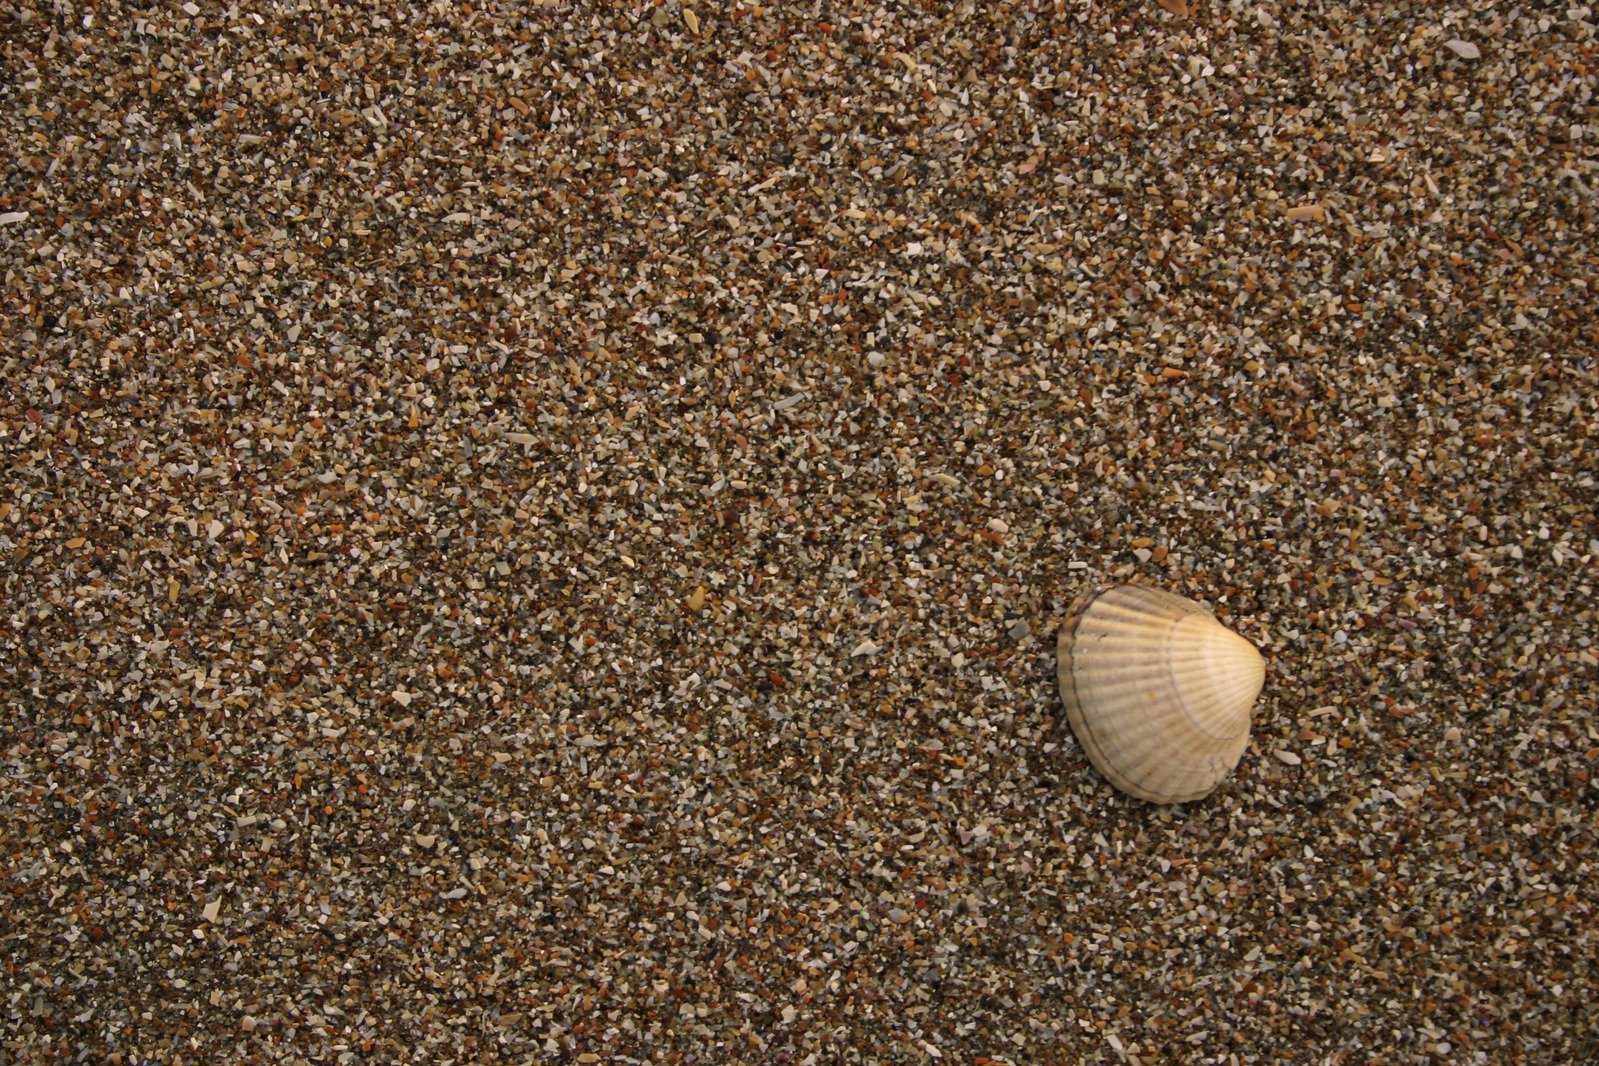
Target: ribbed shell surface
1158,692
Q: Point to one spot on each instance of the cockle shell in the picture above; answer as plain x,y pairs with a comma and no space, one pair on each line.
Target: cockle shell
1157,691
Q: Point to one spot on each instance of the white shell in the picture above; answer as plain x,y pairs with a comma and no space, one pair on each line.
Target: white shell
1157,691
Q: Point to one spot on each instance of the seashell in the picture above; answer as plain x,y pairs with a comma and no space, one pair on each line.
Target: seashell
1157,691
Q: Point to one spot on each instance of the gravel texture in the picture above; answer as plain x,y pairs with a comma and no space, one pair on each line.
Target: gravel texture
534,533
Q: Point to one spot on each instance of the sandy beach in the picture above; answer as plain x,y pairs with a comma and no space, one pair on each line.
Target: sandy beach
535,533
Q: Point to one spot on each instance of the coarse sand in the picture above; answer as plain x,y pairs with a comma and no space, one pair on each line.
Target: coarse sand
534,532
